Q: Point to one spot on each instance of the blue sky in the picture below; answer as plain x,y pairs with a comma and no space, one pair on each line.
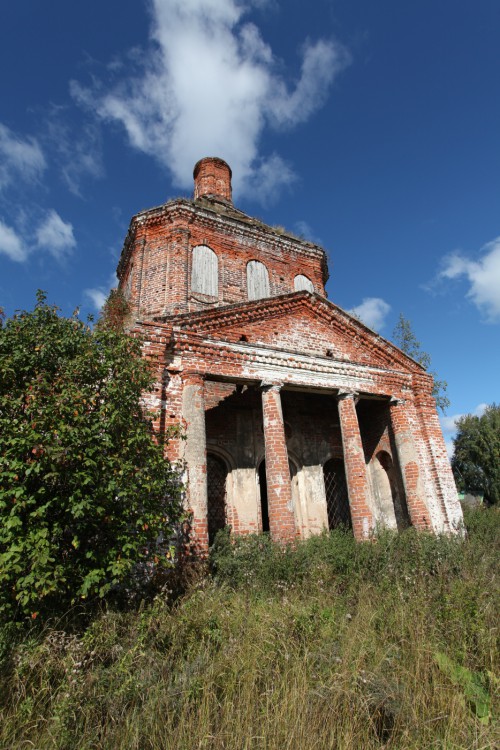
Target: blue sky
369,127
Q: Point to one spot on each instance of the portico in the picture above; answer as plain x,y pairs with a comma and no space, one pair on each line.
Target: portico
293,461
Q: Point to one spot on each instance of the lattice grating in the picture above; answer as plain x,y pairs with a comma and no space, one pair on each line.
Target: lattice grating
216,489
337,500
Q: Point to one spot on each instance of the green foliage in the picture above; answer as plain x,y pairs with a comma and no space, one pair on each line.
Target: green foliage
85,491
257,563
476,458
116,311
396,648
472,684
406,340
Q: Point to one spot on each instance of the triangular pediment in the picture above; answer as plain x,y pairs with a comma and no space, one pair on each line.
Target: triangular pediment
301,323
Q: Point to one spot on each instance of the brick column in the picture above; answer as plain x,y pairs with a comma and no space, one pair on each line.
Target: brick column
279,486
355,468
409,465
195,454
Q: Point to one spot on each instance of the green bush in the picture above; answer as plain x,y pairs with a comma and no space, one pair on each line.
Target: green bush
85,491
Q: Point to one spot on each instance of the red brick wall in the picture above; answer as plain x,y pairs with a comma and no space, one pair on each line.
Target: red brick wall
158,255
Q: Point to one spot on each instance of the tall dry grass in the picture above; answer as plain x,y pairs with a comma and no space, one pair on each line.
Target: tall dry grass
329,645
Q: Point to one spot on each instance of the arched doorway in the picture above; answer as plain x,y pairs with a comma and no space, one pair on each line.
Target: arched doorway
337,499
216,495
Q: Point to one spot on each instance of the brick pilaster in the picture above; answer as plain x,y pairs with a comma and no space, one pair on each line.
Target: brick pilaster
355,468
279,487
195,454
178,270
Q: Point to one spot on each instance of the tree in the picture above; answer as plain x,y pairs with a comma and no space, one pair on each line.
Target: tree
476,458
85,490
406,340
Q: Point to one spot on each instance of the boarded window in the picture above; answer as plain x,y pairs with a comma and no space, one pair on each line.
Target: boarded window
257,280
204,275
302,283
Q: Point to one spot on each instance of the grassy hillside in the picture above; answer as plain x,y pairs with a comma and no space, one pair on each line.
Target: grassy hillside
332,645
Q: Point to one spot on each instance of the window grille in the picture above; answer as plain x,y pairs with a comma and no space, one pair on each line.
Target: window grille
337,500
216,495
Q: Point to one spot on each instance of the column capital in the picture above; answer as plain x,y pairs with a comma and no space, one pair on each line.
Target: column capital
266,386
347,394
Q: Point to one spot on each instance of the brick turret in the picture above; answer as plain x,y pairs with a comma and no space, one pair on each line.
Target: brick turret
212,177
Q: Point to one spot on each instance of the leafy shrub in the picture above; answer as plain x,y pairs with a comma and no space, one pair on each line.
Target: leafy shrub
85,490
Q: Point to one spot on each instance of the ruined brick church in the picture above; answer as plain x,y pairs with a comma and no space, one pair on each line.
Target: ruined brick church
296,416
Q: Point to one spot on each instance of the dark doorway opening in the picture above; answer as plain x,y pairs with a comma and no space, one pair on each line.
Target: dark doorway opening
337,499
216,495
264,508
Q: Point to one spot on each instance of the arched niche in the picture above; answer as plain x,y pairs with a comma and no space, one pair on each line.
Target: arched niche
386,489
301,283
257,280
205,271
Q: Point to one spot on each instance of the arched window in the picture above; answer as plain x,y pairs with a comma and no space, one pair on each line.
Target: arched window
204,273
257,280
302,283
216,495
337,500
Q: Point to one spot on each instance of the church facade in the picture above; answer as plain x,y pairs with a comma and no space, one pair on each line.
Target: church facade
295,416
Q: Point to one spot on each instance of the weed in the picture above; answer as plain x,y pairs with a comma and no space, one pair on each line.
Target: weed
326,644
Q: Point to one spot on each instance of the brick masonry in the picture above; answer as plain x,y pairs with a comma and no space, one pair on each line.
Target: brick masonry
291,379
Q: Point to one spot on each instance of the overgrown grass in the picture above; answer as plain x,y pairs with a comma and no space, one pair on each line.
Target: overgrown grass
330,645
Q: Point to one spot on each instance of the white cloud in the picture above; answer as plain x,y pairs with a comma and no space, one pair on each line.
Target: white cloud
209,85
483,276
76,151
303,229
11,244
449,426
55,235
19,158
98,295
372,311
